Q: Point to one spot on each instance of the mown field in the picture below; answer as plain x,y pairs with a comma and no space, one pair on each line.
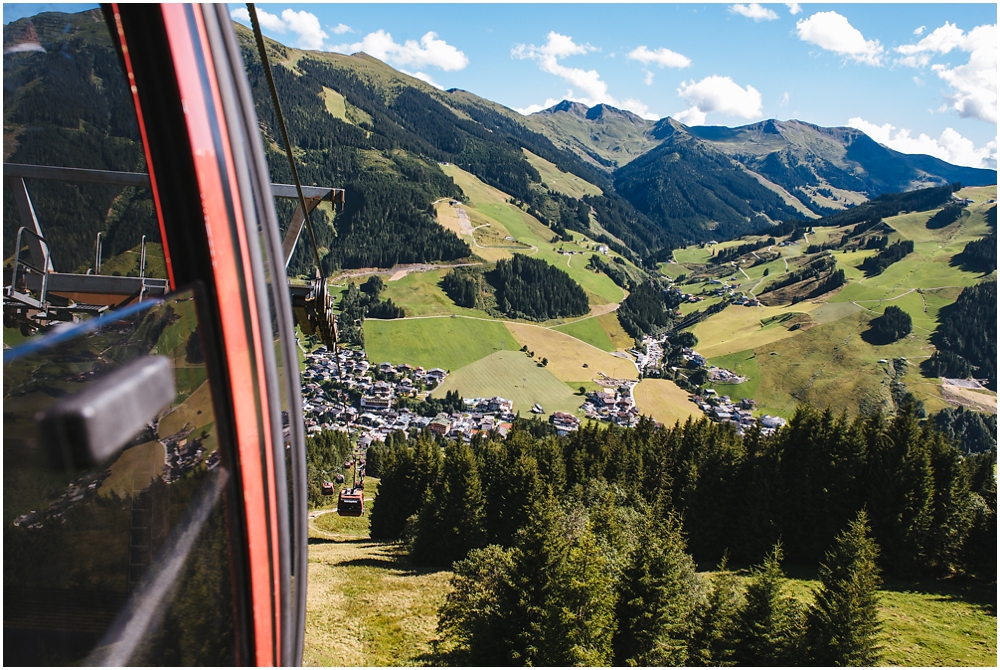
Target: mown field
589,331
420,294
571,359
664,401
435,342
512,375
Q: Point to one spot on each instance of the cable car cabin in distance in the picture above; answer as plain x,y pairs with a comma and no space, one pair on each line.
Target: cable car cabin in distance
154,456
351,502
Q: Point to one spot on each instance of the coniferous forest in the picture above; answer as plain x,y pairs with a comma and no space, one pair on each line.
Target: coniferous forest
528,288
647,308
966,337
582,549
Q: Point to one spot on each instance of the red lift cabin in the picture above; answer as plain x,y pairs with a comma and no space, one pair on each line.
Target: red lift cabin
154,457
351,502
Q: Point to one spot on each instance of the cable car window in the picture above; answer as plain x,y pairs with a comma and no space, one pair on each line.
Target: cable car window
95,533
67,104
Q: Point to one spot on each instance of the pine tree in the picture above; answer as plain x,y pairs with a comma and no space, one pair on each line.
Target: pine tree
715,621
769,626
475,625
451,519
656,601
843,625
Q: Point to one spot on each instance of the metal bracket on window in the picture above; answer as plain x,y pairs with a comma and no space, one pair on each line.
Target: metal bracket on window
89,427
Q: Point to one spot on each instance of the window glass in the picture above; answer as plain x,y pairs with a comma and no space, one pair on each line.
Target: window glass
86,549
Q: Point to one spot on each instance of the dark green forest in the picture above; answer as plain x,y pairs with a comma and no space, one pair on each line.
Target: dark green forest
582,549
966,337
647,309
528,288
892,325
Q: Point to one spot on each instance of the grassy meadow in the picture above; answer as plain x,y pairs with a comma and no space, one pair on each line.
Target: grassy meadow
664,401
589,331
435,342
513,375
559,181
571,359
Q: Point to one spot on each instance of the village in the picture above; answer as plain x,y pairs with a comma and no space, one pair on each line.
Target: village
345,392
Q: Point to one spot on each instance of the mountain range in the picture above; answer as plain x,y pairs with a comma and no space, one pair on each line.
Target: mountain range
358,123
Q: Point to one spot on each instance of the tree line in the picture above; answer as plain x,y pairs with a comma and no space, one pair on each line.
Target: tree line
581,549
528,288
966,336
647,309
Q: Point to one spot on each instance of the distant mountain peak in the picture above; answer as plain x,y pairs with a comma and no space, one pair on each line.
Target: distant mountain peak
568,106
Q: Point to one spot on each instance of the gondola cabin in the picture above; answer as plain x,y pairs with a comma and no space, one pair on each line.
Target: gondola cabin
351,502
327,489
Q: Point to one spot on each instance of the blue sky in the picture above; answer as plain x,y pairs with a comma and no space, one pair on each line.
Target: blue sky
920,78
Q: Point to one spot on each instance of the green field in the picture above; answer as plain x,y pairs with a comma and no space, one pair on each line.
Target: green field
435,342
420,294
743,363
559,181
512,375
927,623
589,331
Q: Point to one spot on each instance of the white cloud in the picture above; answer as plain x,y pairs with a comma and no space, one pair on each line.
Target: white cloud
793,8
692,117
951,146
303,24
718,94
342,28
784,100
833,32
588,87
424,77
661,57
754,11
531,109
920,30
918,81
649,78
429,51
973,84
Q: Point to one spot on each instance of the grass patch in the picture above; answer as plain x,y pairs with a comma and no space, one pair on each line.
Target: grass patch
927,623
829,365
196,410
743,363
442,342
613,328
335,104
568,355
366,605
663,400
737,328
559,181
589,331
511,374
420,294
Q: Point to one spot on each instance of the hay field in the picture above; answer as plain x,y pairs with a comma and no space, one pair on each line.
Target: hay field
435,342
613,328
567,355
737,328
134,469
589,331
511,374
664,401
